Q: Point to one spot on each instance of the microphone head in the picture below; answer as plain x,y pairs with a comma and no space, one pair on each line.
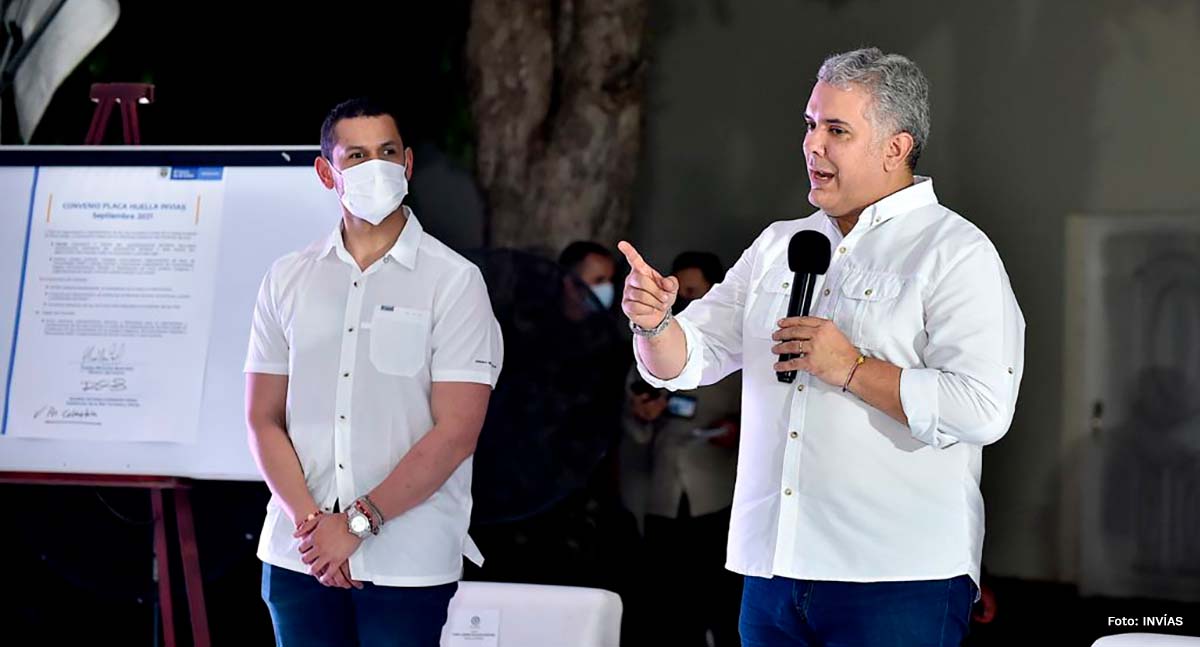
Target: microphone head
808,252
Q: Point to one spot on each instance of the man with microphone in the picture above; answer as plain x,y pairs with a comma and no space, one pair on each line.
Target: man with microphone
857,516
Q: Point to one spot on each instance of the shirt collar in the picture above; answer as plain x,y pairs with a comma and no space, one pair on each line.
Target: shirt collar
919,194
403,251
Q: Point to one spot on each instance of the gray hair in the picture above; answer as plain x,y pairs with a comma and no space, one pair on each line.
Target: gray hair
898,88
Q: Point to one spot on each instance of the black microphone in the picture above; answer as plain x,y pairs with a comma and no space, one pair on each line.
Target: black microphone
808,257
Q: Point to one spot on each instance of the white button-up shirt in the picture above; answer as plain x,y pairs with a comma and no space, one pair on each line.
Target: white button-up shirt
828,487
361,350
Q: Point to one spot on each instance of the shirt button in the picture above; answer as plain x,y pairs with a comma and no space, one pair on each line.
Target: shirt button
345,375
340,466
387,259
868,292
826,291
342,417
800,388
1010,371
351,329
785,285
794,434
841,250
787,492
356,284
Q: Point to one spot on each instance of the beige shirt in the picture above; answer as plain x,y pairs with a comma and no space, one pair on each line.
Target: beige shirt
663,460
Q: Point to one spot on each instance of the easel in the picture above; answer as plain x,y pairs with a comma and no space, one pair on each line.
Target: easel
185,525
129,96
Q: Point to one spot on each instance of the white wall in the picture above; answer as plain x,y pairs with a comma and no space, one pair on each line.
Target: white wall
1040,108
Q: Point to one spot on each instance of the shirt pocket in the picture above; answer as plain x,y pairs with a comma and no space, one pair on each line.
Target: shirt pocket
769,305
867,312
399,340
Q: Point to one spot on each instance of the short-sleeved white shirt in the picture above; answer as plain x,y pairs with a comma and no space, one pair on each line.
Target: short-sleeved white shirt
361,350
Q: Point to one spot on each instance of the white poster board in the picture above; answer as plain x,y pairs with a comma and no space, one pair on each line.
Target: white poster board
190,420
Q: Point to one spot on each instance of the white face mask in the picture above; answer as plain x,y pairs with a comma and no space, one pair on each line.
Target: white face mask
605,292
373,189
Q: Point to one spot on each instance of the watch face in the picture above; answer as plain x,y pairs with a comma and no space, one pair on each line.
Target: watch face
359,524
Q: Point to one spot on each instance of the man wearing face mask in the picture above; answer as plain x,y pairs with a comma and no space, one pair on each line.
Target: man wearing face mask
372,357
678,465
594,265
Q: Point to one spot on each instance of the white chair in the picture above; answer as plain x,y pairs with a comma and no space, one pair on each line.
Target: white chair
532,615
1146,640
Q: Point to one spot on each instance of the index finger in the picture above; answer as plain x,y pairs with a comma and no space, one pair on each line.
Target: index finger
305,528
805,322
635,259
345,570
338,575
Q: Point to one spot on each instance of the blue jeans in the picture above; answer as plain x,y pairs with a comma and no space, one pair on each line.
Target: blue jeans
803,613
308,613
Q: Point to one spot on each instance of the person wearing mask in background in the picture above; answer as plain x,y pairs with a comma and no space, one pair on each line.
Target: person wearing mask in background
593,264
372,358
678,465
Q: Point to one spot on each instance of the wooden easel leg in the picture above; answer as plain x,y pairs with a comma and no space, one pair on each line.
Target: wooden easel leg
191,567
135,129
126,129
99,122
162,559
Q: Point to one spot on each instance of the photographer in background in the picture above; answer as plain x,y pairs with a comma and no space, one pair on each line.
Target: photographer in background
678,465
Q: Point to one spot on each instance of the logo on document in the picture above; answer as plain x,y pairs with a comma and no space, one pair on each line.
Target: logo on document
202,173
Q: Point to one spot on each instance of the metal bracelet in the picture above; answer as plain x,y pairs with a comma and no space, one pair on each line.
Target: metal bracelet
650,333
375,516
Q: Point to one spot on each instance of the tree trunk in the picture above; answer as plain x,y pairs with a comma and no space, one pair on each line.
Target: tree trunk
556,92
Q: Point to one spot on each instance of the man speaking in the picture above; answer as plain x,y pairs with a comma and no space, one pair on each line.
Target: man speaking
857,516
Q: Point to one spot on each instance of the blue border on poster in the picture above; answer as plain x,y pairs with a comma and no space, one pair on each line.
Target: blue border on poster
12,358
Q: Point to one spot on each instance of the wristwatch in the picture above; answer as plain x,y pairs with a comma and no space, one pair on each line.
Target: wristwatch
360,525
